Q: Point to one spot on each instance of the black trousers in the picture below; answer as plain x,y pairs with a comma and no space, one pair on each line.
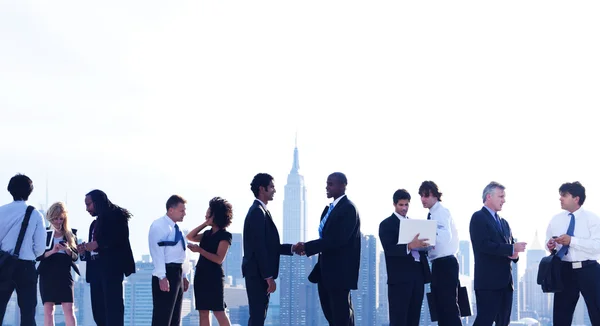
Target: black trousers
166,306
444,288
337,305
258,300
493,306
106,290
22,277
585,280
405,300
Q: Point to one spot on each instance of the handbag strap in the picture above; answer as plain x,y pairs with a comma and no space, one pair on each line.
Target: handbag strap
22,232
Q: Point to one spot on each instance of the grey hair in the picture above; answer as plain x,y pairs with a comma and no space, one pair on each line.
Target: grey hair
491,188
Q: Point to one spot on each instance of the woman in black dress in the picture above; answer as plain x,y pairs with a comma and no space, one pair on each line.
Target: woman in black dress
56,282
214,244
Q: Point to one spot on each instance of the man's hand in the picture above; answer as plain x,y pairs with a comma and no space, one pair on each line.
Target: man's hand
186,284
81,248
551,244
519,247
515,256
91,246
164,284
418,244
564,239
272,286
298,249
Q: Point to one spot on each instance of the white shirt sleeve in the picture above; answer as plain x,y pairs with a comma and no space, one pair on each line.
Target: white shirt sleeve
590,245
39,237
444,232
155,235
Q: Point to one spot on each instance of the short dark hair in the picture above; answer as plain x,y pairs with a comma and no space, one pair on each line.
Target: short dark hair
20,187
260,180
175,200
401,194
221,211
428,188
341,177
576,189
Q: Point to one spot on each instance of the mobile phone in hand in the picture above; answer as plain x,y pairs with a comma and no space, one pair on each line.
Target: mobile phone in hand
64,243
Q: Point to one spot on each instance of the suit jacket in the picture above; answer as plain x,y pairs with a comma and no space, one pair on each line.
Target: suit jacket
399,264
491,249
262,245
114,248
338,248
50,244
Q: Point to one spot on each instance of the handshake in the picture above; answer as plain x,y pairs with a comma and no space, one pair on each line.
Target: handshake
298,249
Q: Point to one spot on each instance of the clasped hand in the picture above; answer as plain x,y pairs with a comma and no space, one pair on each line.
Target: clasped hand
298,249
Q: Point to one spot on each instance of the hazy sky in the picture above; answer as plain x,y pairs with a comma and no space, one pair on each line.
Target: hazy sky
143,100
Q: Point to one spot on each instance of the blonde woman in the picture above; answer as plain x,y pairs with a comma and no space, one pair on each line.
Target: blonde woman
56,282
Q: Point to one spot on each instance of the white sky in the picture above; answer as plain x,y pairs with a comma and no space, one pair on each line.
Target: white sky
143,100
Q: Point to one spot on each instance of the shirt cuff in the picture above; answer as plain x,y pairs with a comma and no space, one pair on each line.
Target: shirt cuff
266,278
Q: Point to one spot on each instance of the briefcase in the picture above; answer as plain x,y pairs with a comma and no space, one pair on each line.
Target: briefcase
549,274
463,304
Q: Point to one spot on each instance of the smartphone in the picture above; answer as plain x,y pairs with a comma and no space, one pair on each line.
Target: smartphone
554,236
64,243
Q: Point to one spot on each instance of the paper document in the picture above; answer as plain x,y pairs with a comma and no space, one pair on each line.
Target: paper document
427,229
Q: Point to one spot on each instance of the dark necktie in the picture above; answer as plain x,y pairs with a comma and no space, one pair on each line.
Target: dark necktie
570,230
429,216
497,218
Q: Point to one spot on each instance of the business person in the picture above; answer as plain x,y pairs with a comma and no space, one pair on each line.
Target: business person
19,274
444,265
577,233
209,280
338,246
494,250
56,281
407,267
168,252
262,248
108,256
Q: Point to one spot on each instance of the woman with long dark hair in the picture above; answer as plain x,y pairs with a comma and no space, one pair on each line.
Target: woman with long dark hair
56,282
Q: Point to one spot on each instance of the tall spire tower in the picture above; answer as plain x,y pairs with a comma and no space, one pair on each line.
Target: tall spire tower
293,275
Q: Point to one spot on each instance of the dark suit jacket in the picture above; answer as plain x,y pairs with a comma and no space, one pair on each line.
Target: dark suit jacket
399,264
114,247
338,248
49,243
491,249
262,245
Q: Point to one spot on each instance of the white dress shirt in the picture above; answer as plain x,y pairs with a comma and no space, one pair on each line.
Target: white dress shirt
446,242
415,256
34,242
585,242
163,229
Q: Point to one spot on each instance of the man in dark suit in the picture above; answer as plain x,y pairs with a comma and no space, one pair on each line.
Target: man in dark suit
494,250
338,246
109,258
407,268
262,247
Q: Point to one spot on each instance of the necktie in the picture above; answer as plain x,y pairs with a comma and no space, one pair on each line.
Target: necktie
497,218
324,220
178,238
429,216
570,230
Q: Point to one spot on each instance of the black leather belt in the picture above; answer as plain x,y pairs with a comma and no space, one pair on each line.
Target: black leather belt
580,264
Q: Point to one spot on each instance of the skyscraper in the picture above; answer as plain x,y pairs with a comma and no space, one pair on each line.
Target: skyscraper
233,261
364,299
293,283
137,290
383,317
464,258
